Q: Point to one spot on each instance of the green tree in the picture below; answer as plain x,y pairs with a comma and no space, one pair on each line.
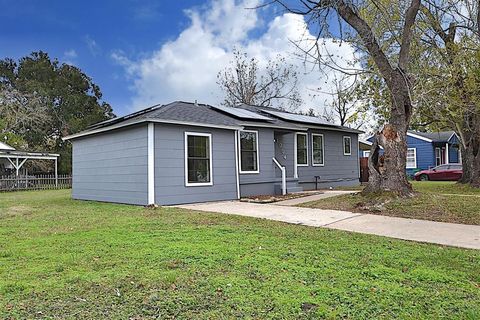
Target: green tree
444,75
388,54
48,100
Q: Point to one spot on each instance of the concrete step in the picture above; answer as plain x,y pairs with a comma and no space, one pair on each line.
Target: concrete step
292,186
294,189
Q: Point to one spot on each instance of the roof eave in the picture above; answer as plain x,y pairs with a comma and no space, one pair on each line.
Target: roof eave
122,125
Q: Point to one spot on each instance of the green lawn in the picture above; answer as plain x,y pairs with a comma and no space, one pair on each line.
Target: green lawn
61,258
437,201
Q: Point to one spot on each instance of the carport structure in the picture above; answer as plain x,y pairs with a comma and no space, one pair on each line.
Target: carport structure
18,158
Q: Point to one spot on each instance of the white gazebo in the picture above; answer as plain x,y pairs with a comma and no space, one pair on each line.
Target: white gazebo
16,159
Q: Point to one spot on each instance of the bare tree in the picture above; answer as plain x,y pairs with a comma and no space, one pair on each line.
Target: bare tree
243,82
344,106
392,64
22,113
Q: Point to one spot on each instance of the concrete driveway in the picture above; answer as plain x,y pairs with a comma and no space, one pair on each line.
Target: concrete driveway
450,234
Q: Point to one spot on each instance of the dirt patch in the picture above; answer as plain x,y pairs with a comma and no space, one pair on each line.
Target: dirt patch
16,211
276,198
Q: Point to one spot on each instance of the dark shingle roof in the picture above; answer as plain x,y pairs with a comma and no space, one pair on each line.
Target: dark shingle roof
188,113
442,136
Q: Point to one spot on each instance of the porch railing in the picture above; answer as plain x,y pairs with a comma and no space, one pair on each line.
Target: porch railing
284,176
34,182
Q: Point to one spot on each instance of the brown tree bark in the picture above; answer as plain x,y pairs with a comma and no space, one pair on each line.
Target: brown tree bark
470,148
392,176
468,127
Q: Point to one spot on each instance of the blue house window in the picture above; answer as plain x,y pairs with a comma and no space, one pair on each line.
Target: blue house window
411,158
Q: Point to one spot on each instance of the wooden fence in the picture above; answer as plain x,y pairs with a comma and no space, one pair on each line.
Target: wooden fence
37,182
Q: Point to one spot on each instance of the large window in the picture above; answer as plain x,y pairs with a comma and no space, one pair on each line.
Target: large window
302,149
249,151
318,157
411,158
347,146
198,159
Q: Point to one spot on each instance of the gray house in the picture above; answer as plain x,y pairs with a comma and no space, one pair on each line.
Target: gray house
187,152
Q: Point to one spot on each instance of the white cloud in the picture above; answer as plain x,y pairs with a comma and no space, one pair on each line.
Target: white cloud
186,68
92,45
69,56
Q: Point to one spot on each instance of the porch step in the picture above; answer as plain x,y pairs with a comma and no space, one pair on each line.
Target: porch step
295,189
292,186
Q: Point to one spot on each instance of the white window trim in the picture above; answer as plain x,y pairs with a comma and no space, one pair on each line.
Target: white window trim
343,145
240,153
151,162
366,151
415,157
323,150
198,184
438,157
295,149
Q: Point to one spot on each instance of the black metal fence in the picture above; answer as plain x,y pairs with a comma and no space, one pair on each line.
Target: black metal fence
37,182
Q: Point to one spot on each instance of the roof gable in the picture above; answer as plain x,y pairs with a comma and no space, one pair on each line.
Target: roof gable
4,146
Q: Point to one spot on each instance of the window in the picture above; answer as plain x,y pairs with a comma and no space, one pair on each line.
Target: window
248,151
317,150
198,159
366,154
347,146
438,157
302,149
411,158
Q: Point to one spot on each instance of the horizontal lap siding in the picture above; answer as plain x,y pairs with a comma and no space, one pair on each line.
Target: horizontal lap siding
170,166
262,182
111,166
338,169
425,154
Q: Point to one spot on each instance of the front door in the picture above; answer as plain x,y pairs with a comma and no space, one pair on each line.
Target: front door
283,143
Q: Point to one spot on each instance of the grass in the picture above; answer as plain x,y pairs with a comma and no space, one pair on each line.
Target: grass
61,258
436,201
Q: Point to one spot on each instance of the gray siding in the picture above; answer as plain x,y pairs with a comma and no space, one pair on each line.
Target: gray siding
339,169
170,166
111,166
262,182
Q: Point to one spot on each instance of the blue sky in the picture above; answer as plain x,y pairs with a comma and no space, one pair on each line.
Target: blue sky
141,51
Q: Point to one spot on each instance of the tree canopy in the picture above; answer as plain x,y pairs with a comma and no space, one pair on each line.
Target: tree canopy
42,101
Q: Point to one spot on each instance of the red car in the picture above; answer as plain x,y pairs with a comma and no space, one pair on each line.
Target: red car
445,172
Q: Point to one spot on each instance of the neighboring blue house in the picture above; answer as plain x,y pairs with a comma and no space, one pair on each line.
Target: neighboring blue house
425,150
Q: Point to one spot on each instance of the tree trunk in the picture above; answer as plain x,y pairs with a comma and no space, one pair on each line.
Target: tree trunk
391,176
470,158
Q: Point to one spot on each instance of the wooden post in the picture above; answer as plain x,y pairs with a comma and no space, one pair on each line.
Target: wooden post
56,173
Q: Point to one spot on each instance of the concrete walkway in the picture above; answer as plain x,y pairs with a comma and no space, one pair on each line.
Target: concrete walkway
315,197
450,234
